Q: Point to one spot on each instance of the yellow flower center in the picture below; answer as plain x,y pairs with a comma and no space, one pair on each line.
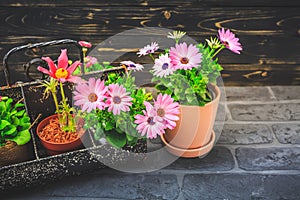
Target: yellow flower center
61,73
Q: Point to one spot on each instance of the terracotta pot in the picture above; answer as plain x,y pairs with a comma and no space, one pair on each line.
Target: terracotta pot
194,129
12,153
53,147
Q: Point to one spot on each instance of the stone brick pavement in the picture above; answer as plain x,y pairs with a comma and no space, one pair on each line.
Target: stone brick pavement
257,157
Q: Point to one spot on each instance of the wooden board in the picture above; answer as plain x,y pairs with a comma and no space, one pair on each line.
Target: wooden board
268,30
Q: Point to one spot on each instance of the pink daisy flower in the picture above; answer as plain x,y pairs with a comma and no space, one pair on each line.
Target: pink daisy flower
230,41
132,66
150,48
185,57
90,95
118,99
149,124
167,109
163,66
61,71
89,60
85,44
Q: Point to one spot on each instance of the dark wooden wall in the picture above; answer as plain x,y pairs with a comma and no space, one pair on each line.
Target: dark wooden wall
268,29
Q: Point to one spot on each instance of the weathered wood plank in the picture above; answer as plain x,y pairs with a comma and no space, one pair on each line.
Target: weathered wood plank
215,3
107,21
269,30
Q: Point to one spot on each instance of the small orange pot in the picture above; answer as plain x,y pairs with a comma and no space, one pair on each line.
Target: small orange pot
59,147
194,129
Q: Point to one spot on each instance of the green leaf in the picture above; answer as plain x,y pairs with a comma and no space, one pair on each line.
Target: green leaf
10,130
108,126
16,121
99,133
2,106
22,137
132,142
18,105
115,139
20,113
8,102
3,124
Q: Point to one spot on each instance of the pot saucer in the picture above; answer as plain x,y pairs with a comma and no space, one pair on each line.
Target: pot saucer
190,153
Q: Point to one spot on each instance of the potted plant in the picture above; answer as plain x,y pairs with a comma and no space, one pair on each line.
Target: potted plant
188,73
120,113
14,132
63,130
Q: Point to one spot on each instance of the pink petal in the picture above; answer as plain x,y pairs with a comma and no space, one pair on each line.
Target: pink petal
45,71
72,68
63,59
51,64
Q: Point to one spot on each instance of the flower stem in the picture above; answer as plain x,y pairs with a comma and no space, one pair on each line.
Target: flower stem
62,92
151,56
55,100
222,47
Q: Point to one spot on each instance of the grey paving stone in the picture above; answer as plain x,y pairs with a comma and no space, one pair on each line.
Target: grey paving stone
117,185
248,94
221,115
273,158
265,112
245,134
287,133
241,186
286,92
219,159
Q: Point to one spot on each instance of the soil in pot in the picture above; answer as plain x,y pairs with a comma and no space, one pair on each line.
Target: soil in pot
55,140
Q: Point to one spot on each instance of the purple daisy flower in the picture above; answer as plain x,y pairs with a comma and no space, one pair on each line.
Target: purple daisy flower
230,41
185,57
148,49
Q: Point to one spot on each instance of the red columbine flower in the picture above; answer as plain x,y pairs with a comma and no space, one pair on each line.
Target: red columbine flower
230,41
85,44
60,72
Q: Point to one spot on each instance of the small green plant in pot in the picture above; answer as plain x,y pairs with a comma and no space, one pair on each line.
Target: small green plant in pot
14,131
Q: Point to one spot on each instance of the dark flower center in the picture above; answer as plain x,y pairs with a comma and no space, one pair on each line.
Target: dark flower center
184,60
132,65
160,112
92,97
117,100
226,43
165,66
150,121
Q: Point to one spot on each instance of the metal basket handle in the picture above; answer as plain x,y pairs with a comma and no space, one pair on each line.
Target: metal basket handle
41,44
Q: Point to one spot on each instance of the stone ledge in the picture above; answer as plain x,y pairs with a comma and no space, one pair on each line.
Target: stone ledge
287,133
240,186
116,186
248,94
219,159
286,92
272,158
265,112
245,134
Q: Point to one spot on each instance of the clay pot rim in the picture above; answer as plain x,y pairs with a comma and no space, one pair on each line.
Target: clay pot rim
181,151
54,143
216,90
